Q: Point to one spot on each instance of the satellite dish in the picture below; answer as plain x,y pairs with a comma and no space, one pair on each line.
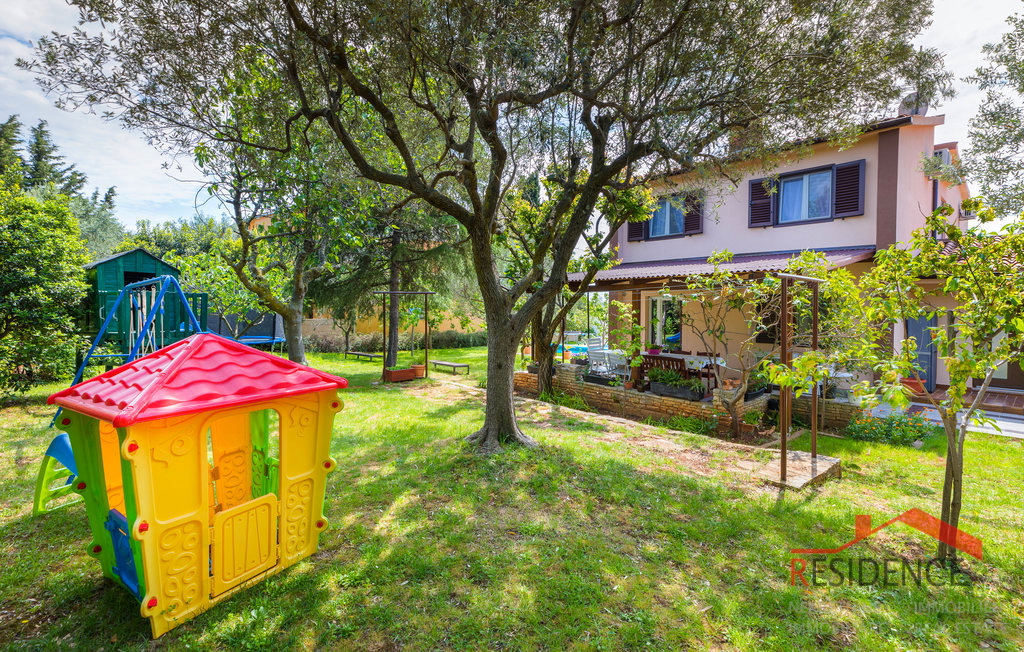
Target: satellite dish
913,105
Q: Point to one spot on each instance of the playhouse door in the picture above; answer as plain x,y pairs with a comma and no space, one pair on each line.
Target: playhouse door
244,542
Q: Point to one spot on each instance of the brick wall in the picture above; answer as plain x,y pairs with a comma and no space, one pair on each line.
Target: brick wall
835,414
630,403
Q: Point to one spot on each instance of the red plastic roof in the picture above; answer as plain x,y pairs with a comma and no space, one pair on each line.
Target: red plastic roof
202,373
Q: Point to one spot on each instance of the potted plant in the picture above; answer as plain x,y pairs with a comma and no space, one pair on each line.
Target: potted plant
750,421
398,374
668,382
653,349
915,385
419,367
533,367
631,334
757,384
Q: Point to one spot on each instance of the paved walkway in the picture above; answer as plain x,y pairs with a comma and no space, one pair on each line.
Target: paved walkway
1009,425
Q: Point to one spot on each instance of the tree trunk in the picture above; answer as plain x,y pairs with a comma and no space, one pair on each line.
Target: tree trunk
394,285
293,336
952,486
542,354
732,406
499,415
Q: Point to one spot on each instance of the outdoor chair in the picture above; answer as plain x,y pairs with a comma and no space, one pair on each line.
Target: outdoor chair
598,361
595,344
617,365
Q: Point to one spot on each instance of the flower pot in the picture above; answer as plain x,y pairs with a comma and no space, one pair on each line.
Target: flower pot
628,384
398,375
685,393
754,393
419,370
914,385
598,380
578,361
532,368
654,350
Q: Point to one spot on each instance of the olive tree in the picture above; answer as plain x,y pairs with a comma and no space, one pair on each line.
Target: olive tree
452,104
995,160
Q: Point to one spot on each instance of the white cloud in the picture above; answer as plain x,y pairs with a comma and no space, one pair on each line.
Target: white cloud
106,153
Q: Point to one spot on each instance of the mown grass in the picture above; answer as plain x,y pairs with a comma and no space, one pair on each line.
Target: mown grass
588,543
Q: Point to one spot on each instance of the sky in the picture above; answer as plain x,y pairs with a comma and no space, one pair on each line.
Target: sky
112,156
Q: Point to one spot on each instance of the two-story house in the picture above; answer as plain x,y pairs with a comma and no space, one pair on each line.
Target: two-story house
845,203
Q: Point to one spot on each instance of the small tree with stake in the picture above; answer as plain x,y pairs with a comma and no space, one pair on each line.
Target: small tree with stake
982,273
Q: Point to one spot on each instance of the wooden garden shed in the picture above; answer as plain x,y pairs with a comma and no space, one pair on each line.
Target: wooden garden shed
108,276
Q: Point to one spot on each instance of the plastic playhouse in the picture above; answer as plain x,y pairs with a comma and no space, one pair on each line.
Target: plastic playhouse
202,467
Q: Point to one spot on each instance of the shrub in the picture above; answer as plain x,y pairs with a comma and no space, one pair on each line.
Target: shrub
897,429
757,381
324,343
374,342
686,423
666,377
566,400
457,340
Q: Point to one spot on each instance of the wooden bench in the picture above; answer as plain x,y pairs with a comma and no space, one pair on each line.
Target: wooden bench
361,355
451,365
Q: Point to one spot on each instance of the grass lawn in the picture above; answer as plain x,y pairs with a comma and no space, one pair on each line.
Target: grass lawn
610,536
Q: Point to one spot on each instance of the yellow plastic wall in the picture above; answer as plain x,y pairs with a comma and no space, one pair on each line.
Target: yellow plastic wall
232,457
111,467
176,522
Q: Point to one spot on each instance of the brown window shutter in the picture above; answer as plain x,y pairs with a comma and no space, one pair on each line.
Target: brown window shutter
638,230
762,204
693,221
849,189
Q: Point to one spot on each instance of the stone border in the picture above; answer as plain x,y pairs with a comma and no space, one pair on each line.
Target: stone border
631,403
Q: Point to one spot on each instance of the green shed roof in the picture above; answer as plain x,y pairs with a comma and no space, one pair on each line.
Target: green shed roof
125,253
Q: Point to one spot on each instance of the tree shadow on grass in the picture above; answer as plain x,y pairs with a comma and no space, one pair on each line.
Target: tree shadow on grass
432,545
455,408
559,548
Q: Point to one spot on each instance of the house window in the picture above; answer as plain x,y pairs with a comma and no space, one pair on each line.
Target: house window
667,219
836,191
806,197
673,217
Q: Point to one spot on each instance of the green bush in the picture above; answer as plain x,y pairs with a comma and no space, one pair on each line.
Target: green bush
686,423
757,380
673,378
566,400
374,342
897,429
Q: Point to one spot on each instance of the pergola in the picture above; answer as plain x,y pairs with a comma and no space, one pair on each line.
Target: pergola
426,324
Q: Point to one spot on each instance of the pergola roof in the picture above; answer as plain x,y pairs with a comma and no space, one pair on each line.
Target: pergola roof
655,273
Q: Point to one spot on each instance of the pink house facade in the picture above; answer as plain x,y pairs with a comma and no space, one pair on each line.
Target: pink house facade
845,203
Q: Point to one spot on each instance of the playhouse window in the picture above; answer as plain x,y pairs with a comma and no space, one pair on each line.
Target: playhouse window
243,457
